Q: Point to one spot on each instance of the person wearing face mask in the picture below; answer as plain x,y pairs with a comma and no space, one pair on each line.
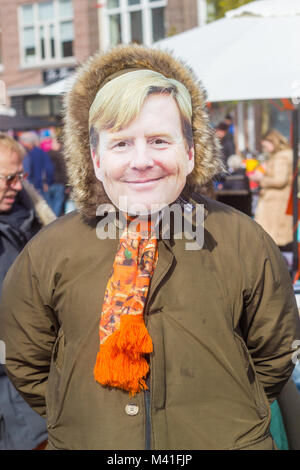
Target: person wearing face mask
275,187
131,336
22,214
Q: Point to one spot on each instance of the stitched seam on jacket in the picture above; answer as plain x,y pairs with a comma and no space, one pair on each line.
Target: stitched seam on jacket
251,443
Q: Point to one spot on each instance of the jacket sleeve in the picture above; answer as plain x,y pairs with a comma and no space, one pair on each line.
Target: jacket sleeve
28,329
271,322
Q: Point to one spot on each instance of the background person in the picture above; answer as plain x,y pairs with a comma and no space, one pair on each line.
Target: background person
56,194
230,123
226,139
37,163
275,187
21,214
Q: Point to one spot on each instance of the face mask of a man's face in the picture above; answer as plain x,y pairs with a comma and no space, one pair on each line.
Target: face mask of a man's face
144,167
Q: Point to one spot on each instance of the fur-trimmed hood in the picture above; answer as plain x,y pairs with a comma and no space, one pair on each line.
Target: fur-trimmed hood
88,192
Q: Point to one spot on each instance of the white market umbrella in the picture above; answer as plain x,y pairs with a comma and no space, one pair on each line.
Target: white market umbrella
243,58
267,8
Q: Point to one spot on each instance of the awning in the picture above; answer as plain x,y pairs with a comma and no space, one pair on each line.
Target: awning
23,123
59,87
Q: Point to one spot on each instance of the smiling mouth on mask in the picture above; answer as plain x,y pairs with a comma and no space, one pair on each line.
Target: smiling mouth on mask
146,180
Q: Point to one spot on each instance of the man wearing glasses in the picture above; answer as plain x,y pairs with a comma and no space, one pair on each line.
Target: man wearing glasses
18,222
21,427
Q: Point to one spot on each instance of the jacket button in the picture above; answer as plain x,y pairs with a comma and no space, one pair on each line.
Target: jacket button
131,409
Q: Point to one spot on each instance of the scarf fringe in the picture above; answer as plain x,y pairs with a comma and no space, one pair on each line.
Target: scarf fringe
120,362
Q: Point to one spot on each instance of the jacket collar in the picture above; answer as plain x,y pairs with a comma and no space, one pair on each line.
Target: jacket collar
177,220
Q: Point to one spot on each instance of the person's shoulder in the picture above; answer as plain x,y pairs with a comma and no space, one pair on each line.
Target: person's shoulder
61,232
238,232
227,220
65,222
284,154
215,208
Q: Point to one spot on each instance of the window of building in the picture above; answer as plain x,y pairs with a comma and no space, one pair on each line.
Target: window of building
158,27
46,31
43,106
133,21
38,106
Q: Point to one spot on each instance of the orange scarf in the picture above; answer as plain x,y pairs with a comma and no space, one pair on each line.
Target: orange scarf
124,339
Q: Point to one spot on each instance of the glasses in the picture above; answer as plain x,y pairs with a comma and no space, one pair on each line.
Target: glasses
13,179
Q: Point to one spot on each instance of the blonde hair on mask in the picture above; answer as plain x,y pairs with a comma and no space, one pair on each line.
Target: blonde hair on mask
119,102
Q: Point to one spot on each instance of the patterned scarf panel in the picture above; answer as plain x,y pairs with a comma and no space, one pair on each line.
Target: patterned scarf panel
124,339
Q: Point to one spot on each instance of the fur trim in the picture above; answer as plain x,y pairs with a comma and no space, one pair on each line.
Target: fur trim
88,192
43,212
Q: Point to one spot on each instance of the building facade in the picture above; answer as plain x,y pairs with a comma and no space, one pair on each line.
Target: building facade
144,21
42,41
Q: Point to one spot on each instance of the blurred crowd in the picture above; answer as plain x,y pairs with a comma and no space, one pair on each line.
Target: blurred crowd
45,169
260,186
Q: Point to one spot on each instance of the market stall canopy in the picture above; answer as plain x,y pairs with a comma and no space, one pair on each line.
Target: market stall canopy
245,57
267,8
23,123
59,87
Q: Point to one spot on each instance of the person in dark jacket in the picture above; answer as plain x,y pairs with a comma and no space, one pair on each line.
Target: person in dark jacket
226,140
21,428
37,164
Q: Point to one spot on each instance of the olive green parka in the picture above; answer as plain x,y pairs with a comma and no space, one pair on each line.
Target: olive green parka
222,318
